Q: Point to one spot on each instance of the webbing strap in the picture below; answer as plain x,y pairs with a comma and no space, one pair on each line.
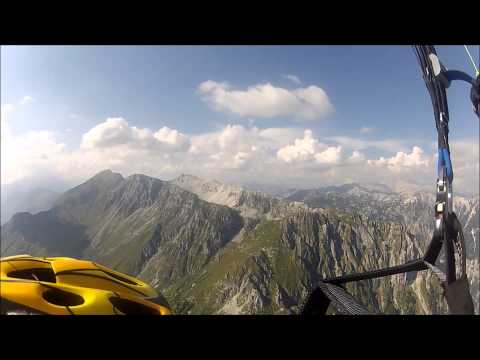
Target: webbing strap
342,301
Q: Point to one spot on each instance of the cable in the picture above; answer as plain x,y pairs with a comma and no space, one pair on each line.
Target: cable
471,59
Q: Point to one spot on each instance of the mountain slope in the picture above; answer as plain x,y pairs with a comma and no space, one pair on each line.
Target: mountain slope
251,204
278,264
259,254
124,223
407,208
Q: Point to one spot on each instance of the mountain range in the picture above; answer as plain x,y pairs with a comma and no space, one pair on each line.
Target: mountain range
215,248
32,200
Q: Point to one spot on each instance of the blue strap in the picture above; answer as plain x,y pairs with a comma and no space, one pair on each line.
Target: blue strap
444,160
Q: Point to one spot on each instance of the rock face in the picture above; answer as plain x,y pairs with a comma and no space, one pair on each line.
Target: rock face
251,204
412,209
213,248
134,224
279,262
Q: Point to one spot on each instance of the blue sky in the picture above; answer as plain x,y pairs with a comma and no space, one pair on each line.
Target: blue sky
76,88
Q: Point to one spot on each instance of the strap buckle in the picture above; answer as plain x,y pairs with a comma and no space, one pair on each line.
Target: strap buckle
444,200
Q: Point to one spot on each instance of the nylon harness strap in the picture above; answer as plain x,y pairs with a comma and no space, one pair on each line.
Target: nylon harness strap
448,230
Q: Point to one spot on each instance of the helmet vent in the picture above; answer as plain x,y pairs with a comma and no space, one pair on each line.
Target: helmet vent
129,307
62,298
120,278
39,274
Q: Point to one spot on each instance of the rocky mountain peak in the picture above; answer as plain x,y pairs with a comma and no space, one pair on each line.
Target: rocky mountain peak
106,176
141,179
186,178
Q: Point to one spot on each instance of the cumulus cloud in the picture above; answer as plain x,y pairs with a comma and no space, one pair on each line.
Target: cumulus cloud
234,153
401,160
234,147
357,157
27,100
301,150
309,149
117,132
267,101
278,137
114,131
293,78
331,155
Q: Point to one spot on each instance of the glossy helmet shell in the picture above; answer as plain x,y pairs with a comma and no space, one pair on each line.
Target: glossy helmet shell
67,286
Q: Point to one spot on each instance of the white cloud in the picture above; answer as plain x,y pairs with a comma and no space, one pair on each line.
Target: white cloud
235,153
465,160
293,78
403,160
310,149
234,138
114,131
267,101
241,158
332,155
112,144
301,150
27,100
233,147
278,137
30,154
357,157
366,130
117,132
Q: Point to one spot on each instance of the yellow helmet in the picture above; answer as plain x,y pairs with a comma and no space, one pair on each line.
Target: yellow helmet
67,286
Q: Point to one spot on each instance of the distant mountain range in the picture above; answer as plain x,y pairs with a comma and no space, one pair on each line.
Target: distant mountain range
30,200
220,248
412,209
